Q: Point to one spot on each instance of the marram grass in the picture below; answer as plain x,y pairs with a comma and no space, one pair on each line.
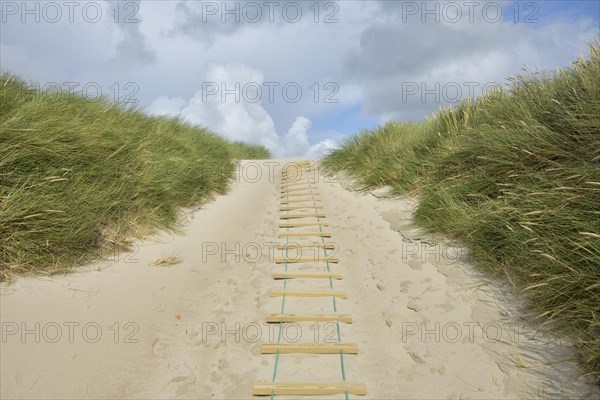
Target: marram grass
79,178
515,175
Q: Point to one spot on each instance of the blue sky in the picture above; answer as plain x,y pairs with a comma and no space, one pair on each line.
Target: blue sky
372,61
550,10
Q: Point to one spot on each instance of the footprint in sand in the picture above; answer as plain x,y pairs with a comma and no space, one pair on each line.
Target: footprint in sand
181,372
223,364
159,348
415,264
416,358
413,304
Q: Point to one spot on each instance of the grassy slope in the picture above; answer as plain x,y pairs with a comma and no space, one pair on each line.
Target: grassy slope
515,175
78,176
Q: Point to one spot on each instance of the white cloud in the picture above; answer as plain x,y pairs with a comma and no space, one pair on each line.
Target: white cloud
295,143
409,69
234,115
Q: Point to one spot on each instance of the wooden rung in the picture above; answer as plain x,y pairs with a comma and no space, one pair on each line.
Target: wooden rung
296,224
300,177
284,202
308,389
303,234
296,190
277,318
301,162
309,348
292,216
300,275
306,246
293,167
298,195
291,208
296,169
281,260
297,185
308,293
291,192
300,185
297,172
285,185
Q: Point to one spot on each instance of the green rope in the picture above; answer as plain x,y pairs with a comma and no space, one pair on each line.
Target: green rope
287,239
330,285
337,322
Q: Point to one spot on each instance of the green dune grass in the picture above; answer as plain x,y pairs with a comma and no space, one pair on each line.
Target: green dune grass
79,178
515,175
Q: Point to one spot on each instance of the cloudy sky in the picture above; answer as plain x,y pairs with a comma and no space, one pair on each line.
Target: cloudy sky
295,76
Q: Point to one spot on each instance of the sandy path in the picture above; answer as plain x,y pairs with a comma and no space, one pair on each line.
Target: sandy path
175,345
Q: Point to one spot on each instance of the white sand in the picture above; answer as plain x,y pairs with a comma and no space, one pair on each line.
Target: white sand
398,284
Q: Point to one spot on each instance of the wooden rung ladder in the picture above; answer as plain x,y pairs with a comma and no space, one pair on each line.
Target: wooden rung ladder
300,223
329,246
306,207
283,191
284,202
309,293
285,196
304,234
307,275
296,185
277,318
283,260
307,215
297,176
308,389
304,182
309,348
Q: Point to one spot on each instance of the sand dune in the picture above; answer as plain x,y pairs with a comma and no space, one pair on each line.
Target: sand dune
428,325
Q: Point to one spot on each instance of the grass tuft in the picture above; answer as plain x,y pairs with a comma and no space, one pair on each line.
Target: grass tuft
78,177
168,261
515,175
